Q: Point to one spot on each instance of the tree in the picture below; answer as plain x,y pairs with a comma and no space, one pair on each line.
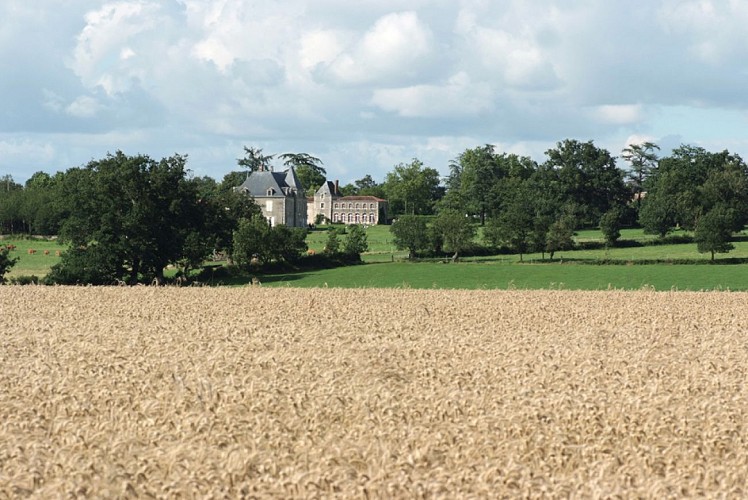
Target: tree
560,236
589,178
366,186
332,245
643,159
254,159
136,211
410,232
689,183
714,230
232,180
513,227
455,230
6,262
250,242
412,188
610,225
356,241
308,169
287,244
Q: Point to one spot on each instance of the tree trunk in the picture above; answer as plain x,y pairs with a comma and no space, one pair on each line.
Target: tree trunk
456,256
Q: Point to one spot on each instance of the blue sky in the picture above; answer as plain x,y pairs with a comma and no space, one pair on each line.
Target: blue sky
364,85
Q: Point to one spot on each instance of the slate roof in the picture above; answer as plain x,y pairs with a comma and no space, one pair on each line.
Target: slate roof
259,182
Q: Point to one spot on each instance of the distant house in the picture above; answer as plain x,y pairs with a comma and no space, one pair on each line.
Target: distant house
279,195
333,207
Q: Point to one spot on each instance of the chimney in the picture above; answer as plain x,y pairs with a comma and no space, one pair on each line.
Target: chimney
337,187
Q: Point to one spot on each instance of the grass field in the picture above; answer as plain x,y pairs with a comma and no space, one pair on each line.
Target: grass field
482,275
36,264
139,392
494,272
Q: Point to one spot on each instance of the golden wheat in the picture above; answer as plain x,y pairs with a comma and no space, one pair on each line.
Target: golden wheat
166,392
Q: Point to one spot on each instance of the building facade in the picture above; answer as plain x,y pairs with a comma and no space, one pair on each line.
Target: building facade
279,195
333,207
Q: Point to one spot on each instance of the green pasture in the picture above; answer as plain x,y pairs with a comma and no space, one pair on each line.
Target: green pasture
36,264
483,275
574,270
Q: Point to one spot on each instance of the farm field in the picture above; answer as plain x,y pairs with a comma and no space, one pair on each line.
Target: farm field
511,275
221,392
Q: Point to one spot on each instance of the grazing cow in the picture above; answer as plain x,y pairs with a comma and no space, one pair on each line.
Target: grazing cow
32,251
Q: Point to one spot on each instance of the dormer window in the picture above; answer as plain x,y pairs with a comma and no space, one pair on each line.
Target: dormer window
271,192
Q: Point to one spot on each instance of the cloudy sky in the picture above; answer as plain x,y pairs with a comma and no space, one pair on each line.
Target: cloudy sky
364,84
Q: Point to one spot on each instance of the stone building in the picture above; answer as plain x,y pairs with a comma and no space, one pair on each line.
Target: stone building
333,207
279,195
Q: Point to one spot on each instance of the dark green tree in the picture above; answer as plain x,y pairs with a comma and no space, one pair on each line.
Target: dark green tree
251,240
643,160
254,160
410,233
714,231
589,178
455,231
610,225
135,210
412,188
560,236
332,244
287,244
308,168
356,241
6,262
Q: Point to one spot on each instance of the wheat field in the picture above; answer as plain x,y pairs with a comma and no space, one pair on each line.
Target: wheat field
286,393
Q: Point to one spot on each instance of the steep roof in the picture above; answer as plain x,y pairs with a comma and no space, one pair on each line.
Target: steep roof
260,182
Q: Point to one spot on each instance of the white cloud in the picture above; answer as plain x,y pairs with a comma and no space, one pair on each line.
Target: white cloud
618,114
84,107
396,47
457,97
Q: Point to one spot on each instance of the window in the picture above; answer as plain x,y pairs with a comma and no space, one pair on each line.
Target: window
371,206
335,217
336,205
350,205
372,220
358,218
271,192
269,205
350,217
322,205
357,206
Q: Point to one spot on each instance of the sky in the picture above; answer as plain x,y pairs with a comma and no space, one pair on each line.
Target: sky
367,84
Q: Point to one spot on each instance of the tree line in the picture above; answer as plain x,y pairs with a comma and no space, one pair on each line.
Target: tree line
525,206
127,217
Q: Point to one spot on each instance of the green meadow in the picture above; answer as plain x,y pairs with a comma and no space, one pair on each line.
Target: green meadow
626,267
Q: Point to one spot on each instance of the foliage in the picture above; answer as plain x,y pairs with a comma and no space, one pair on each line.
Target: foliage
257,243
412,188
643,159
560,236
254,160
332,245
610,225
136,211
714,230
588,177
6,262
691,182
455,230
308,169
94,264
410,233
355,242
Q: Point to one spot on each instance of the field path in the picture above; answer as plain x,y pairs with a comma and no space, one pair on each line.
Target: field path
198,392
